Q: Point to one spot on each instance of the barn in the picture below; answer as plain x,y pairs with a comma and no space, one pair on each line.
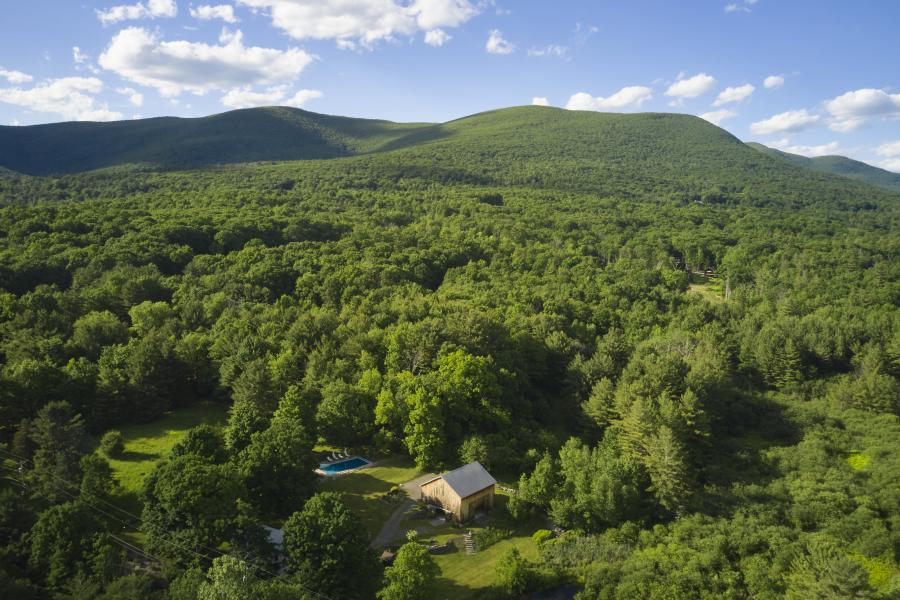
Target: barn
461,492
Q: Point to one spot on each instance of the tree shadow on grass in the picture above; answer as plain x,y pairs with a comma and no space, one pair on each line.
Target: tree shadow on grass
132,456
447,588
360,483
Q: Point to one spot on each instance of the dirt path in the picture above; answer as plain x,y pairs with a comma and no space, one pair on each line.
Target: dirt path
390,531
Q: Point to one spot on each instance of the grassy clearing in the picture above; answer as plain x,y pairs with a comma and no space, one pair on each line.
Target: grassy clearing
363,489
465,576
712,290
148,443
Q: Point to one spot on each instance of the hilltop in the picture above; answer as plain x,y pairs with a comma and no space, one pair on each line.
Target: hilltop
659,155
247,135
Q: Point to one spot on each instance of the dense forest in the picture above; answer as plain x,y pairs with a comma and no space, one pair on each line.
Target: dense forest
684,354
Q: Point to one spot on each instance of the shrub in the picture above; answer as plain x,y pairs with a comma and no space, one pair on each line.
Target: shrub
112,444
541,535
489,536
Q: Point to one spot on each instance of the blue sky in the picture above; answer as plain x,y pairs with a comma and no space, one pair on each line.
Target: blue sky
807,76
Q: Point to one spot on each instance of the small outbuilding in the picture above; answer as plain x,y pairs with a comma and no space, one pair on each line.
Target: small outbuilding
461,492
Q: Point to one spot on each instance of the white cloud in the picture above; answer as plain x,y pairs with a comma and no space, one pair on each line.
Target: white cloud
140,56
83,61
15,77
553,50
851,110
78,56
717,116
135,97
540,101
303,96
630,96
436,37
890,149
734,94
363,22
821,150
740,6
207,12
891,164
773,82
692,86
792,120
497,45
278,95
70,97
152,9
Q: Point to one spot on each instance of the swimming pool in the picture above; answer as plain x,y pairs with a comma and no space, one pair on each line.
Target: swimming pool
343,465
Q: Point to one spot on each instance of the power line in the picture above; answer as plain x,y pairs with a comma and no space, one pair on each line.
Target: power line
14,457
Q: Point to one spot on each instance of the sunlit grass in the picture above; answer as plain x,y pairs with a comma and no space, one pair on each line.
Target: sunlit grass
148,443
363,489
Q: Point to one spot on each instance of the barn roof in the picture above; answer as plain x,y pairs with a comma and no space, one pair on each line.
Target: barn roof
467,479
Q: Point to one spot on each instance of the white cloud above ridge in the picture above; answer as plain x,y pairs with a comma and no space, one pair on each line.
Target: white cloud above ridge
152,9
135,97
789,121
273,96
540,101
15,77
73,98
889,149
891,164
207,12
691,87
734,94
808,151
174,67
851,110
496,44
717,116
353,23
773,82
627,97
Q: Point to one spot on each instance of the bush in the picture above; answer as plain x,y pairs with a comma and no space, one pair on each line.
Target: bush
514,575
112,444
489,536
541,535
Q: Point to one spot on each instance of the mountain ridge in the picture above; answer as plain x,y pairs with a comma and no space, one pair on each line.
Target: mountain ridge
837,165
659,155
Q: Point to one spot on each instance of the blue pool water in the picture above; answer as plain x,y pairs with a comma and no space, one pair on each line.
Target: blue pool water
343,465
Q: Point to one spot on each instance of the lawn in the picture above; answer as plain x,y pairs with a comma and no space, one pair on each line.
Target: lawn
363,489
148,443
465,576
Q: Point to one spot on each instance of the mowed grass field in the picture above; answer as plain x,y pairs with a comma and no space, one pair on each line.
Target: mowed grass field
462,576
148,443
467,576
363,489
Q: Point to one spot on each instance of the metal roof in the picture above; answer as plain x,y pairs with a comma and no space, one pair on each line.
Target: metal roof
468,479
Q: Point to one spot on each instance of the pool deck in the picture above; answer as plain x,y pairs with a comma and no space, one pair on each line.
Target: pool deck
369,463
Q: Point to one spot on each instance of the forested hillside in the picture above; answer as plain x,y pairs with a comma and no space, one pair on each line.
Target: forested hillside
276,133
838,165
642,155
680,351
